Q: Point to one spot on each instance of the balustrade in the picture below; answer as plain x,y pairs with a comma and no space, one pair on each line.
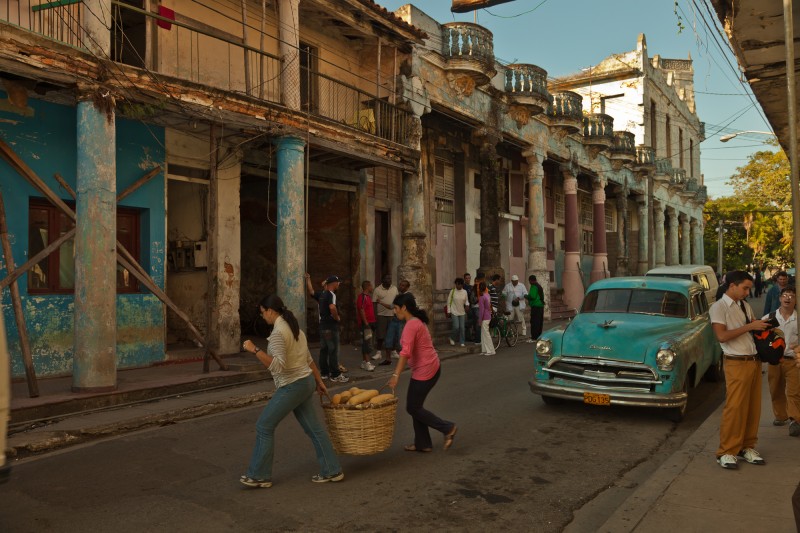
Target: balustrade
624,147
566,111
527,85
469,50
598,130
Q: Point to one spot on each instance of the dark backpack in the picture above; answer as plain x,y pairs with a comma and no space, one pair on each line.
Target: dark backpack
770,344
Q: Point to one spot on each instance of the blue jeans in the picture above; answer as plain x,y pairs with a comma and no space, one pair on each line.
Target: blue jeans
393,334
458,328
297,397
329,352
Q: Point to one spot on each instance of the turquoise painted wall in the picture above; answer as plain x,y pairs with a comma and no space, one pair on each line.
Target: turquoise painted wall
47,143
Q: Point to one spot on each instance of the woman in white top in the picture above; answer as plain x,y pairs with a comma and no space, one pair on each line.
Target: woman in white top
296,377
457,305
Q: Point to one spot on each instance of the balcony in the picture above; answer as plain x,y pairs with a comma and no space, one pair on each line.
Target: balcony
677,180
598,131
527,86
215,60
566,111
624,147
468,50
702,194
645,158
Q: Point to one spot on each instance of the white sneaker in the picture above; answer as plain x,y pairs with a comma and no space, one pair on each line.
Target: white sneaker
452,342
530,341
752,456
377,355
728,461
341,378
366,365
395,355
462,344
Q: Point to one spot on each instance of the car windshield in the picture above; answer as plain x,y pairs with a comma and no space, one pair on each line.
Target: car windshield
638,301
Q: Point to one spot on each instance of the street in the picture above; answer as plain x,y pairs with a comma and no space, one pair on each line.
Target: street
516,464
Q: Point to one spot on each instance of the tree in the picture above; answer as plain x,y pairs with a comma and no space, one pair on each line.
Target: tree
736,253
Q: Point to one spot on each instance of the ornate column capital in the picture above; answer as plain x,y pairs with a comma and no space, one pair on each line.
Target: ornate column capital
488,138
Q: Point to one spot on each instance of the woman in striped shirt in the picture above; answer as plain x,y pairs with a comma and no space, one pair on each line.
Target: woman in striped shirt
296,377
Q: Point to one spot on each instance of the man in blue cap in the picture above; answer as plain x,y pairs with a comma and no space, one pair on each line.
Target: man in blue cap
329,333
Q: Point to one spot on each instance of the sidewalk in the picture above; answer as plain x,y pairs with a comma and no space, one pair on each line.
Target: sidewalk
691,492
155,396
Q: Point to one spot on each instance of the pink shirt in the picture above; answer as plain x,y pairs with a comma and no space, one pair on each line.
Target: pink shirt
418,348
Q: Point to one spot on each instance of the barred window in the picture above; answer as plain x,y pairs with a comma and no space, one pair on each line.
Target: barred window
587,215
559,206
444,175
588,243
611,217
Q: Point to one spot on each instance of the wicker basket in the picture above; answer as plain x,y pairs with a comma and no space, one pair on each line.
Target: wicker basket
357,430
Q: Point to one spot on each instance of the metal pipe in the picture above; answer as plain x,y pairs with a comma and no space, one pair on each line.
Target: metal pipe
788,25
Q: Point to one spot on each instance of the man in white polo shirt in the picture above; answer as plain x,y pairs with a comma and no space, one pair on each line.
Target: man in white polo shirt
784,378
732,320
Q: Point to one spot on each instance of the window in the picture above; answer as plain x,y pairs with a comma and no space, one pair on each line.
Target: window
56,272
668,138
587,209
588,242
680,148
691,157
611,217
559,206
653,127
309,85
444,181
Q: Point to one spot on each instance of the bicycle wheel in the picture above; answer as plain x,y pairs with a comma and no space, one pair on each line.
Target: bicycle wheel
512,334
496,337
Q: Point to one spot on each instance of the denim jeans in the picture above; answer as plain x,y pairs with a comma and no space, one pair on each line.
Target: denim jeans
297,397
329,352
458,328
393,334
424,419
367,343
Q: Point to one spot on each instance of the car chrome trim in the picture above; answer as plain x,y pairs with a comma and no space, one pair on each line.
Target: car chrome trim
630,398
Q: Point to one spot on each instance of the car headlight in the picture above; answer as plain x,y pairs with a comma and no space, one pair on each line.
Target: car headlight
544,348
665,358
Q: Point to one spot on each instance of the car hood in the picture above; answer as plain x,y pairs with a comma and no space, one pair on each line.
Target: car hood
624,337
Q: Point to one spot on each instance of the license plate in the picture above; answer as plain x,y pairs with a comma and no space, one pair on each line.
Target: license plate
596,399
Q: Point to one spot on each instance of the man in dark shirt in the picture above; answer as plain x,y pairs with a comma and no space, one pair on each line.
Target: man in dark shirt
329,333
494,293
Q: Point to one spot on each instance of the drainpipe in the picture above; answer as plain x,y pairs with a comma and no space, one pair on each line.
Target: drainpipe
788,25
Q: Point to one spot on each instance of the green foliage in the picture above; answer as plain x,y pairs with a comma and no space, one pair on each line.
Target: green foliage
761,205
681,27
736,253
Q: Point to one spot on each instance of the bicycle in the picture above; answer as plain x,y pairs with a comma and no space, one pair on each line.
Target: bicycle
504,329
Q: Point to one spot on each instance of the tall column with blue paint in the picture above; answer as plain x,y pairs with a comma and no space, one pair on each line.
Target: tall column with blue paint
537,239
94,366
291,253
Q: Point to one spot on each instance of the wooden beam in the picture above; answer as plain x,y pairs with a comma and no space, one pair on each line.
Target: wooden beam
138,183
52,247
16,301
61,181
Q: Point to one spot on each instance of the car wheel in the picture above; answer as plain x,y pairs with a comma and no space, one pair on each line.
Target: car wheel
512,334
676,414
715,372
551,400
496,337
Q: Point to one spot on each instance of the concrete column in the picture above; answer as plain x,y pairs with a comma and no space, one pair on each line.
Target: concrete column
644,236
571,277
490,206
674,244
658,235
623,232
537,241
224,252
686,240
288,47
94,366
96,21
415,243
600,261
697,242
291,233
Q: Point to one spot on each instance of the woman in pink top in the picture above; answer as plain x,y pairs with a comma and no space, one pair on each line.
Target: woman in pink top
418,351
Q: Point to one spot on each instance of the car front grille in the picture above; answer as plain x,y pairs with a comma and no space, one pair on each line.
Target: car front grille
603,373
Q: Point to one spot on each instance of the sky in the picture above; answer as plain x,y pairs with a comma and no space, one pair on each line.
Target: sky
565,36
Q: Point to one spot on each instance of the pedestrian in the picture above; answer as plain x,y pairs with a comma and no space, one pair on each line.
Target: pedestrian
472,311
479,278
395,329
329,333
316,295
784,378
494,292
457,306
485,317
730,319
365,312
536,302
421,356
773,300
383,296
296,377
514,294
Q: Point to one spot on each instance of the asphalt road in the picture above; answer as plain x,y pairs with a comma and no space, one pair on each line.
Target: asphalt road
516,465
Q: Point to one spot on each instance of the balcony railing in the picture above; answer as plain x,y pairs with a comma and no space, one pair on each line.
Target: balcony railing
469,50
566,111
664,167
624,147
219,60
702,194
527,85
598,130
645,156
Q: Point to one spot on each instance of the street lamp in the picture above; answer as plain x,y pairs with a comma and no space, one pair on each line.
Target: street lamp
726,138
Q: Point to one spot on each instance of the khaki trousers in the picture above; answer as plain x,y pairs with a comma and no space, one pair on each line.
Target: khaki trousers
742,411
784,389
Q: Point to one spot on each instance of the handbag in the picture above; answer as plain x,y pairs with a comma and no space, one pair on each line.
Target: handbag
770,343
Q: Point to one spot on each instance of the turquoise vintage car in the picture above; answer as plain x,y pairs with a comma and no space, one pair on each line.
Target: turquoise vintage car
636,341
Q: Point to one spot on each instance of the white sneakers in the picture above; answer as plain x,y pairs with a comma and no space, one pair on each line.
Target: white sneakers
377,355
395,355
366,365
728,461
452,342
752,456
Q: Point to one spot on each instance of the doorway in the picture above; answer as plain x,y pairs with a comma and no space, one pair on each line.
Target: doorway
381,246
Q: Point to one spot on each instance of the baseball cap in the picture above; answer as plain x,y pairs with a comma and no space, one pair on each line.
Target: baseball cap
331,279
514,278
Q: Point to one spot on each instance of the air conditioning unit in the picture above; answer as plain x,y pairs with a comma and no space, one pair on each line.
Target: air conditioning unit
201,254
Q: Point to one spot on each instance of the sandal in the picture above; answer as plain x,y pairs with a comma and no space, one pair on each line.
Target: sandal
448,439
412,448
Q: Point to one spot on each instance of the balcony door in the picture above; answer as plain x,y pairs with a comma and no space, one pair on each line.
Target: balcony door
309,84
129,34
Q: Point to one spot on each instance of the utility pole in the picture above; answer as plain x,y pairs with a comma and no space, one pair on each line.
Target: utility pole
720,232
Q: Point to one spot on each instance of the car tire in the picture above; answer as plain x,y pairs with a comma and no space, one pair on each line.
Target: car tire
676,414
552,400
715,372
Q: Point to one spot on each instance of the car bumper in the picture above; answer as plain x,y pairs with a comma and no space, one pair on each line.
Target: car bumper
635,399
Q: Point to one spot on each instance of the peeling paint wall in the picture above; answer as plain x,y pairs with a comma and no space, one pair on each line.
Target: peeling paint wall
47,143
